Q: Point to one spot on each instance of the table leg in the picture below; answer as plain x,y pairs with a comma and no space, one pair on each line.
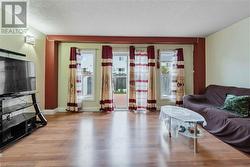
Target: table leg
169,127
195,138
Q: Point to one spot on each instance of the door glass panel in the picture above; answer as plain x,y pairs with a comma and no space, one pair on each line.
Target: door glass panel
120,86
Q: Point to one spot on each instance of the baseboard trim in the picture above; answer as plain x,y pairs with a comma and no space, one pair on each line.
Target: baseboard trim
84,109
60,109
49,112
87,109
91,109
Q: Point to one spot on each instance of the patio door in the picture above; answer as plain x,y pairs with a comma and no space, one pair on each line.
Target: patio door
120,80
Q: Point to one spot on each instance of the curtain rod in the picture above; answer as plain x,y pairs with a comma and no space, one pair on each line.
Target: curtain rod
140,47
113,48
89,49
167,50
126,47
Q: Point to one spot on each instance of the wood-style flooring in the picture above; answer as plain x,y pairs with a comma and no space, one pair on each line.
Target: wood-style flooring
120,139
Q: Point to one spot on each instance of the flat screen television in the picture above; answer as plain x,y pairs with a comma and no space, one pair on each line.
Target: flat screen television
16,76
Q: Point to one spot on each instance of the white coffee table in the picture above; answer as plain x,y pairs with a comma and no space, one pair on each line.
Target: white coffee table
169,114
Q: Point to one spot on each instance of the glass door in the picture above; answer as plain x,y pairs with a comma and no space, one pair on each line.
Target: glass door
120,80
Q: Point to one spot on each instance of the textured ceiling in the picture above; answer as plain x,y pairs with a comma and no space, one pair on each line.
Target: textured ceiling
135,17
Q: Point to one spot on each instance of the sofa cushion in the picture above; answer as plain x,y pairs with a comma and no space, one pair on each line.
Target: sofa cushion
216,94
216,117
237,104
196,102
236,131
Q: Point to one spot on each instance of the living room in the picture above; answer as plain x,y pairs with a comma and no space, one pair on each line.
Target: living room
125,83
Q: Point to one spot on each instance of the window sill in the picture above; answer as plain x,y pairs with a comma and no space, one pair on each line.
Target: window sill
170,98
88,99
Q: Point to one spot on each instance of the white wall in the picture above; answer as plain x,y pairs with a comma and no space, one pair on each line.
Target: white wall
33,53
228,55
63,71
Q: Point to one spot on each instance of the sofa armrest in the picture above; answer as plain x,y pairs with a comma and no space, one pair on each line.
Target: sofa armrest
197,98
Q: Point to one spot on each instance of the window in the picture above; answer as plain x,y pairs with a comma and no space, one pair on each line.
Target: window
88,73
167,63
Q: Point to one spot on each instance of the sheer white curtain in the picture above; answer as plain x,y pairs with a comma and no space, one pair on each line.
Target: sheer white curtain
141,78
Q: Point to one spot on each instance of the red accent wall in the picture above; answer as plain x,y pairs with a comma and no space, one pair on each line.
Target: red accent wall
51,66
123,39
51,74
199,62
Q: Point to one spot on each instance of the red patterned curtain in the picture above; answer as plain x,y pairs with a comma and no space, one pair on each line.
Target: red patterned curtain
180,89
75,81
106,92
151,97
132,90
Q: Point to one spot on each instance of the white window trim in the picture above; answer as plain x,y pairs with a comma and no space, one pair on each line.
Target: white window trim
91,99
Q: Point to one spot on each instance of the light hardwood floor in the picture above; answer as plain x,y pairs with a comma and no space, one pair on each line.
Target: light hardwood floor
120,139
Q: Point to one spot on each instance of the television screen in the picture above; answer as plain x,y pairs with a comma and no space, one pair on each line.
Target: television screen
16,76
